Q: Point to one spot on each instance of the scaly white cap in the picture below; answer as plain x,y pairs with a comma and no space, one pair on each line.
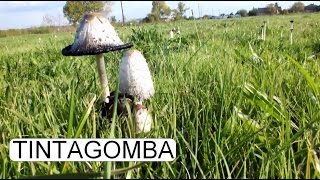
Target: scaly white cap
135,77
95,35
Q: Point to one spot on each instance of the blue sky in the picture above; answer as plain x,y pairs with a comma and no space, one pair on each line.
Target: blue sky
24,14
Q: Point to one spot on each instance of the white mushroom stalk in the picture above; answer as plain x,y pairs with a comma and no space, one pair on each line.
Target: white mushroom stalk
171,34
136,80
142,118
103,78
262,32
96,36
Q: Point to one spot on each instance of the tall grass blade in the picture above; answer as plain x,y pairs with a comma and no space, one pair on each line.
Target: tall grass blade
72,108
108,164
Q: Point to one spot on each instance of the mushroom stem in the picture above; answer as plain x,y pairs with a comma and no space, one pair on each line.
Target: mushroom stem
103,77
264,31
138,102
291,36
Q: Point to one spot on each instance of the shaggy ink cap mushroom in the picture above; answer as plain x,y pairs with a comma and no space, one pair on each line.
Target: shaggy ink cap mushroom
291,24
136,80
143,118
135,76
95,35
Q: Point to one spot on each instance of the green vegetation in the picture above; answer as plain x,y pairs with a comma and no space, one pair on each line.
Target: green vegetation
74,10
238,107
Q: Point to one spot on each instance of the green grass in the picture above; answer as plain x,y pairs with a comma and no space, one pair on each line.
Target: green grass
234,111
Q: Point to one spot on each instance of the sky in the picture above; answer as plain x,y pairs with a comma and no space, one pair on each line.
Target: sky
25,14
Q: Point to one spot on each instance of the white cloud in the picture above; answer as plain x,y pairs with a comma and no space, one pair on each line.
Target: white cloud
23,3
26,3
17,4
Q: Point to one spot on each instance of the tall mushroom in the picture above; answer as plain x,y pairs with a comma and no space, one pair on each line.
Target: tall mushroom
171,35
291,29
136,80
95,36
262,32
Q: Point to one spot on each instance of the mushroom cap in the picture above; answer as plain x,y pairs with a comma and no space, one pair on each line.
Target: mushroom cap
135,76
291,21
94,35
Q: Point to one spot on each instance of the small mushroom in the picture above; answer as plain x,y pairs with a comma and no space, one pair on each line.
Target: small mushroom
95,36
281,34
178,32
136,81
262,32
142,117
171,34
291,29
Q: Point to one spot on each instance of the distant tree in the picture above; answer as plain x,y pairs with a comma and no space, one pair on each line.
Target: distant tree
285,12
176,14
206,17
297,7
191,18
48,20
182,9
242,13
113,19
230,15
152,18
253,12
74,10
159,9
146,19
60,19
272,9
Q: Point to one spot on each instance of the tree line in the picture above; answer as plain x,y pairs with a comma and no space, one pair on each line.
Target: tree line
272,9
74,10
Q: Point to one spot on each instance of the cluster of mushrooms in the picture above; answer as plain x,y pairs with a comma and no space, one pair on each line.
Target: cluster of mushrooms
173,31
264,28
95,36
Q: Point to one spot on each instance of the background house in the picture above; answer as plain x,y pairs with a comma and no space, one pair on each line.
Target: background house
311,8
167,19
265,11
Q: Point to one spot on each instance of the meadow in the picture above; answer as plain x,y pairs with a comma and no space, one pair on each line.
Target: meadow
237,106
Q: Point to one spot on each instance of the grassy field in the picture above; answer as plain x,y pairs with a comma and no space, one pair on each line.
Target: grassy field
238,107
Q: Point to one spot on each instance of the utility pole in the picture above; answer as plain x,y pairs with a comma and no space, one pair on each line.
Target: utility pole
122,13
199,10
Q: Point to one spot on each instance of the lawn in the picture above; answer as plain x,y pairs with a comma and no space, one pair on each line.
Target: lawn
237,106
